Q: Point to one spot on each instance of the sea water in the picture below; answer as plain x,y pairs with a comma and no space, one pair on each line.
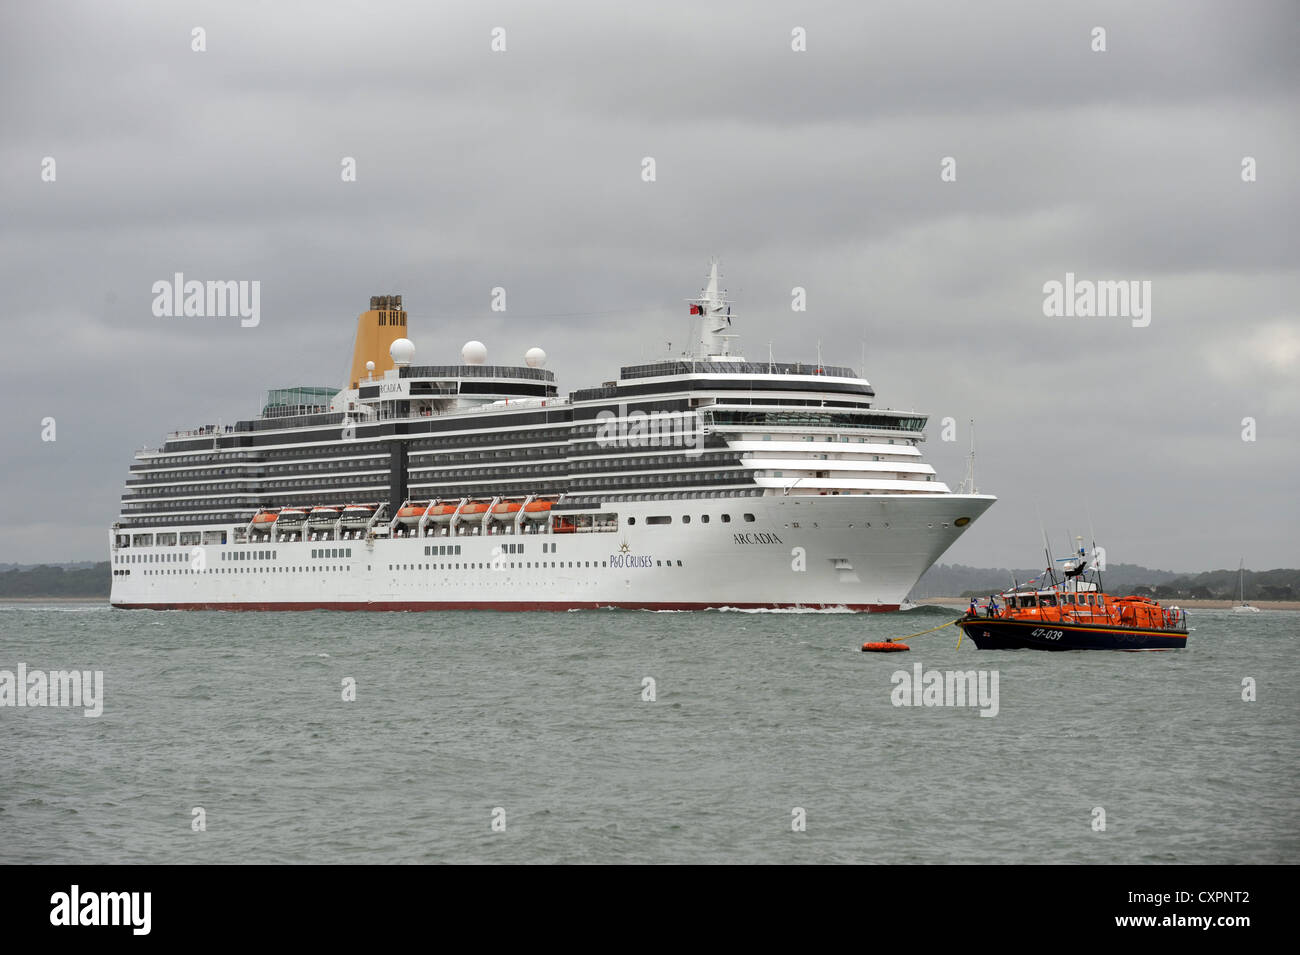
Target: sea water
626,736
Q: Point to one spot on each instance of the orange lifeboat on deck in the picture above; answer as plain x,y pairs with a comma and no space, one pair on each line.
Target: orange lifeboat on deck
474,509
505,511
441,513
410,514
323,516
291,518
537,510
358,513
263,520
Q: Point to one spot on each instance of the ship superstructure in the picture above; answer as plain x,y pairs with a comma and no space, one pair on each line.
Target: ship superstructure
702,481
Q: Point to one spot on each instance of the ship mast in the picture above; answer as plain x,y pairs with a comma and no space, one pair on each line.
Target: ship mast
713,310
967,485
1096,567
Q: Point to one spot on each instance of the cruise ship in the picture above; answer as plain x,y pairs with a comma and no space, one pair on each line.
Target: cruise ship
697,482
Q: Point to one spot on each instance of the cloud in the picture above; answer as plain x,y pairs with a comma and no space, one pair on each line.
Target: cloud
817,169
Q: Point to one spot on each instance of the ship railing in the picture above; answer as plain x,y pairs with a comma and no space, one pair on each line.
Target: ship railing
477,371
206,431
704,366
526,404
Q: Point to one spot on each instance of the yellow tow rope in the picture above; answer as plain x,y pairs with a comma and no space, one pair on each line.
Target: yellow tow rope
931,630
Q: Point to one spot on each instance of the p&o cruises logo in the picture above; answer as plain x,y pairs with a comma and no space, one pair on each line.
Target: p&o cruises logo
625,558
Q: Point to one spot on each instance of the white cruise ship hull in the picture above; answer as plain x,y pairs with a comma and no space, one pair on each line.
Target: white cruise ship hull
852,552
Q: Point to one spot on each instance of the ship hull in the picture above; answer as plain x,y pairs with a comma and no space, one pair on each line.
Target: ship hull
504,605
859,553
999,634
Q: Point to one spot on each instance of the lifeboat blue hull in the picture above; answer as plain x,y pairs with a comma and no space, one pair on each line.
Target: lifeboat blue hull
992,633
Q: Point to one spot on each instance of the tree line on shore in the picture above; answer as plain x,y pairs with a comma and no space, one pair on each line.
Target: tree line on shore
960,580
943,580
54,580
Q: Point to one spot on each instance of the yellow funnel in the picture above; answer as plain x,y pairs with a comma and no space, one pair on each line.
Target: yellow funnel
377,329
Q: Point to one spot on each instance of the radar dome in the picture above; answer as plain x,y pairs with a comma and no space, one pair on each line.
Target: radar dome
535,358
402,351
474,353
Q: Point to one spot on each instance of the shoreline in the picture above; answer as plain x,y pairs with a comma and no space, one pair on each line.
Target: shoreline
1190,603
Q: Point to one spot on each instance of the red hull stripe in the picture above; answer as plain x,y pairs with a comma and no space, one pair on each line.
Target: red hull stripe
390,605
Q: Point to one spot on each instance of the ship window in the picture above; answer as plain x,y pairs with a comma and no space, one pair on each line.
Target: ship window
631,520
686,518
704,518
749,518
659,519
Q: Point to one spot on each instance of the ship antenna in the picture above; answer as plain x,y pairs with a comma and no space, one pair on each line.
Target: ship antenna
968,482
1096,568
1047,551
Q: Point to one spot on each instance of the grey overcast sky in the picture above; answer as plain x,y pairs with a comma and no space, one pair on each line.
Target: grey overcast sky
817,168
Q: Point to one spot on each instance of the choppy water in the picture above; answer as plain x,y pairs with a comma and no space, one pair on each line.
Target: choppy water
542,715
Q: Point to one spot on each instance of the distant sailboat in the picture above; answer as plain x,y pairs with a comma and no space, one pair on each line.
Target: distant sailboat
1242,606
